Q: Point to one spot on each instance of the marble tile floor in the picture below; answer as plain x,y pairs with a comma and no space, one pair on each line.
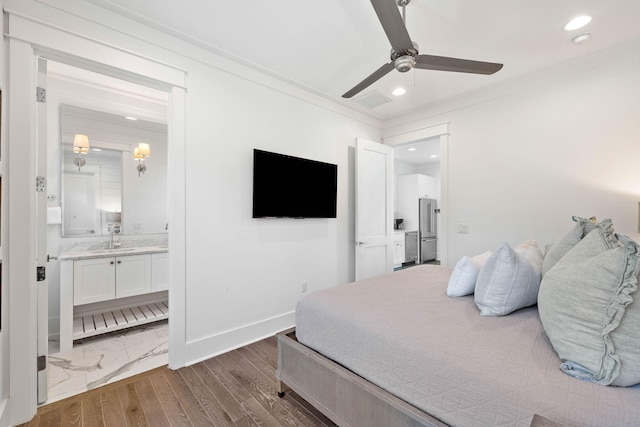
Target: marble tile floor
105,359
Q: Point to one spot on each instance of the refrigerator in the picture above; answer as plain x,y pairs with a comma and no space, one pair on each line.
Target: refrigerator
428,229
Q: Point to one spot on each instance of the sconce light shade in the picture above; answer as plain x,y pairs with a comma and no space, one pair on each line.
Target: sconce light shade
143,149
141,152
80,143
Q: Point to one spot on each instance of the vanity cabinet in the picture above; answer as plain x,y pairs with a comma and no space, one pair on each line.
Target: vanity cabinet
100,279
159,272
102,292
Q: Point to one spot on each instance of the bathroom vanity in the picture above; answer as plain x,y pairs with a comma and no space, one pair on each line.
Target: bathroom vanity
111,289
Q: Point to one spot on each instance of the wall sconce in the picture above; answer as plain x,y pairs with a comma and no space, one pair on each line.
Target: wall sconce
80,147
141,152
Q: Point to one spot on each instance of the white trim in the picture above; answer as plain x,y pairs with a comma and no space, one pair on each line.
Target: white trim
92,54
20,262
177,229
442,131
21,215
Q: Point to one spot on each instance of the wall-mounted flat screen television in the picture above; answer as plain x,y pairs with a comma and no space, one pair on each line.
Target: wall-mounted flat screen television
293,187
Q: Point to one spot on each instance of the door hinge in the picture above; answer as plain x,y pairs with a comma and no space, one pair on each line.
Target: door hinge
41,184
42,363
41,94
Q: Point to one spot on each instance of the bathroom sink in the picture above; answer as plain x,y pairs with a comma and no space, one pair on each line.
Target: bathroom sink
108,251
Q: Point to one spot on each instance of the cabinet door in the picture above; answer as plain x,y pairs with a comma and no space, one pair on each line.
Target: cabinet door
93,280
133,275
159,272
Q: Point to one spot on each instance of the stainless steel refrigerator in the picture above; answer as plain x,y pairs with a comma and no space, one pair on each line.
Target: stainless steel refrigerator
428,223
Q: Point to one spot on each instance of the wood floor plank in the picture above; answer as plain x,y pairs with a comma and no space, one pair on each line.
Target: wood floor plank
112,411
269,383
228,402
176,414
259,414
130,402
263,392
151,404
92,410
194,410
236,389
212,407
228,380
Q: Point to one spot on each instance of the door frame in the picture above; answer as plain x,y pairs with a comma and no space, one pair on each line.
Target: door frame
28,40
441,131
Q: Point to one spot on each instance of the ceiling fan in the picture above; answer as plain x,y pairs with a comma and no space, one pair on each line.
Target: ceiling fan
404,52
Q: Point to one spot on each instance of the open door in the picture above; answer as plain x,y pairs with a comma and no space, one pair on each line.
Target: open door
42,288
374,209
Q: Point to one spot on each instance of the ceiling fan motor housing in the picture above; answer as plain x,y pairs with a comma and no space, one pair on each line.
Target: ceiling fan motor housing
405,60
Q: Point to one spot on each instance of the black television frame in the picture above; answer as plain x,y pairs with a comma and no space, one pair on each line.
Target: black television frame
286,186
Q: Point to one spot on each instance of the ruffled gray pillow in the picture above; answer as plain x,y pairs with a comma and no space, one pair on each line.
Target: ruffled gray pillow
587,308
582,227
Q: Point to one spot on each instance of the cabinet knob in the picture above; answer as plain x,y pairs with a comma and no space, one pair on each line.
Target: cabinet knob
111,262
119,262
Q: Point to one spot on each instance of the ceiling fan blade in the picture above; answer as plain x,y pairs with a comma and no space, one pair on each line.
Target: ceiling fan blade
443,63
392,23
374,77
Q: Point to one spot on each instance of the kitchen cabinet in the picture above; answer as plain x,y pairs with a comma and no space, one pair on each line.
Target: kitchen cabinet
398,248
410,188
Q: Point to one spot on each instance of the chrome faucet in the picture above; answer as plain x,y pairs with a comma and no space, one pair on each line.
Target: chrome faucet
114,228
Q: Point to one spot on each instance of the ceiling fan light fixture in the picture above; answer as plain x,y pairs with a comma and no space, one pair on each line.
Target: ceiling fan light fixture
405,63
577,22
399,91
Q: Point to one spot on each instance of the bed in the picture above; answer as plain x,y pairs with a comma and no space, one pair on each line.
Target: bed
396,351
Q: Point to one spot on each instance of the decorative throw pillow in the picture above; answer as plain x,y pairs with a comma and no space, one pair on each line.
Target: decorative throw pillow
561,247
587,308
465,273
508,281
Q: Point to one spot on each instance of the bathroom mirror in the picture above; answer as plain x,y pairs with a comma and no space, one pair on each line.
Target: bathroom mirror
105,187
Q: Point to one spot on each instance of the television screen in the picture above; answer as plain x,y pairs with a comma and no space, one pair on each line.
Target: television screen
292,187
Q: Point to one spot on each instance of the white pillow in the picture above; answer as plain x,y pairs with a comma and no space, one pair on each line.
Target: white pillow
508,280
531,252
465,273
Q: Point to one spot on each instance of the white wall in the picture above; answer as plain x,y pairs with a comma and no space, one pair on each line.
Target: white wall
526,156
4,348
243,275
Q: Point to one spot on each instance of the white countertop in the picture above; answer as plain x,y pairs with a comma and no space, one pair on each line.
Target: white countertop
405,231
103,253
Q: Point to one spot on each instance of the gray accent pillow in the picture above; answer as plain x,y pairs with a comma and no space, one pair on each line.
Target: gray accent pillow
509,280
586,305
564,244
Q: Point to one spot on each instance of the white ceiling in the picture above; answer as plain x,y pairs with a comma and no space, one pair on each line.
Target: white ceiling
330,45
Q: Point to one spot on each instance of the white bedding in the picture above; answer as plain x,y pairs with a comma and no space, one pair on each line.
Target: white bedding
401,332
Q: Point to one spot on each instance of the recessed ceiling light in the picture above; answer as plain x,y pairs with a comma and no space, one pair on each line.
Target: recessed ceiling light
399,91
411,149
578,22
581,38
131,118
433,156
97,149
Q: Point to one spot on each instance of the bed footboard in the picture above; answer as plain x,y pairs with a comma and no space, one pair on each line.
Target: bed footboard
345,398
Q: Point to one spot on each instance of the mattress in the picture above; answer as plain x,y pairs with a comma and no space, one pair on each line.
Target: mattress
401,332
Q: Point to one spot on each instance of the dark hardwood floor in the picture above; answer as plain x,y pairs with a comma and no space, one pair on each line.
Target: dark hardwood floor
234,389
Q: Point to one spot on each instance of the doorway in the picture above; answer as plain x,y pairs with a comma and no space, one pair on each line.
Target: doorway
417,175
116,115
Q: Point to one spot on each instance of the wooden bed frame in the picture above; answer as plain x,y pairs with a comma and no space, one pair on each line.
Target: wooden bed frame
344,397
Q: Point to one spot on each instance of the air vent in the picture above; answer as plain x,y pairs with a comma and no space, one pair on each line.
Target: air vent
373,99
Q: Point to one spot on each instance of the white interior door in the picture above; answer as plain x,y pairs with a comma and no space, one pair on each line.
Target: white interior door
42,289
374,209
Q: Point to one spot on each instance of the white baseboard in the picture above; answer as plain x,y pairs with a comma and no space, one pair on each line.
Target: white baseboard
205,348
